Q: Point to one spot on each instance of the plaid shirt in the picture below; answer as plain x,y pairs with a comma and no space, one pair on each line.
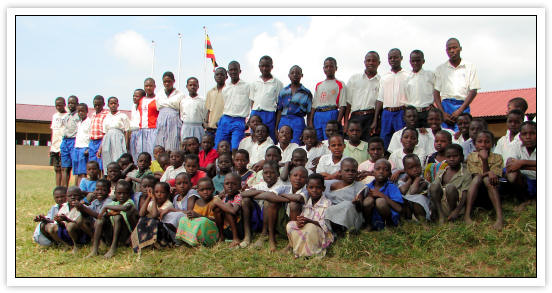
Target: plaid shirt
96,126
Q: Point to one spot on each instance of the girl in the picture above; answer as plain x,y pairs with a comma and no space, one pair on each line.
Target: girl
437,161
434,121
155,166
184,197
241,159
192,111
273,154
148,182
168,122
284,142
198,226
135,122
225,167
114,174
376,152
176,167
115,125
409,141
208,155
329,164
247,142
191,164
147,108
149,229
309,235
414,189
228,210
190,145
258,149
315,149
144,162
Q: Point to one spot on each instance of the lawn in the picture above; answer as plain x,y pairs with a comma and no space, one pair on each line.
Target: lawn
450,250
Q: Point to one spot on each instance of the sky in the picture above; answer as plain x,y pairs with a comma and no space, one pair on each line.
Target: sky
112,55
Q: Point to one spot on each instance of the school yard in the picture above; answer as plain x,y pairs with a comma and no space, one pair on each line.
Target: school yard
411,250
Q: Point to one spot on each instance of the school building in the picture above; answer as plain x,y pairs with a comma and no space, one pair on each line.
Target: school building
33,134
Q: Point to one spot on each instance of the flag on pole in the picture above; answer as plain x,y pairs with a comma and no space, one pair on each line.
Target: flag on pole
209,53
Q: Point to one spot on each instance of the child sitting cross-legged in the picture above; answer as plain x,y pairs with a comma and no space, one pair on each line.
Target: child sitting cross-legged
46,224
414,189
228,210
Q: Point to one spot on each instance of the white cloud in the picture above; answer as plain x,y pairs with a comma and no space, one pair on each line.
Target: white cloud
132,47
503,48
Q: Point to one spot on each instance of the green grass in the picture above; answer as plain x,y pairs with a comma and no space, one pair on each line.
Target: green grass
450,250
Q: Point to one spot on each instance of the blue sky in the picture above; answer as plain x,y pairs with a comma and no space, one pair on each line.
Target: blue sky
111,55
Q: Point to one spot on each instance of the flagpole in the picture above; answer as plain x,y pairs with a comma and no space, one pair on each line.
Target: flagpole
179,60
205,63
152,57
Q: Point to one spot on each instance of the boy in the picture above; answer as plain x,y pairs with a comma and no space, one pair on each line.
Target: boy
506,144
228,210
192,111
354,147
376,152
476,125
449,190
518,103
315,149
409,141
42,232
57,136
298,159
463,121
485,168
521,167
231,126
176,167
259,147
332,128
414,189
82,140
391,98
164,162
225,167
96,134
70,227
410,118
214,102
287,147
88,185
329,101
264,95
135,176
69,124
155,166
329,164
362,93
241,160
419,87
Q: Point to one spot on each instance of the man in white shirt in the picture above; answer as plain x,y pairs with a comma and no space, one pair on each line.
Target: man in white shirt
419,87
456,85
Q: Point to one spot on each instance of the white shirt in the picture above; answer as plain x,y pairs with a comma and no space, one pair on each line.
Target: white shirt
326,164
236,99
423,140
430,143
82,139
264,94
192,110
171,173
397,156
505,147
172,101
419,88
456,83
258,151
118,121
519,152
286,154
314,153
246,143
57,131
362,92
392,90
134,119
459,141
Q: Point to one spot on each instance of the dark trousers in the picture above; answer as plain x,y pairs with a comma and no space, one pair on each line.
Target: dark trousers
365,121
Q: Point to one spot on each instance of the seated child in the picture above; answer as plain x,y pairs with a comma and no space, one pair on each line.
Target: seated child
155,166
414,189
463,121
190,145
476,125
176,167
519,103
437,160
93,210
164,162
208,155
298,159
410,118
45,228
148,182
241,160
114,174
135,176
449,190
272,154
381,200
332,128
224,167
191,164
259,147
521,167
409,141
485,168
228,210
342,214
88,185
308,235
354,147
223,147
434,120
70,227
150,230
126,163
284,142
198,227
329,164
247,142
506,144
376,152
315,149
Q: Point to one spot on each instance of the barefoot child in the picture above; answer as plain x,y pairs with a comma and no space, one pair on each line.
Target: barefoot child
135,176
46,225
414,189
88,185
315,149
101,195
485,168
225,167
329,164
449,190
409,141
309,235
521,167
69,125
184,197
208,155
228,210
70,225
115,125
192,111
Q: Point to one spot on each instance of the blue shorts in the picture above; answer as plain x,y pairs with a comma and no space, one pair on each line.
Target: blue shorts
531,187
379,223
93,147
269,119
391,122
451,105
79,161
64,235
66,151
320,120
296,123
231,129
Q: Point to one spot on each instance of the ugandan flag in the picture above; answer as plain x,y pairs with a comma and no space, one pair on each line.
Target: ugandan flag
209,53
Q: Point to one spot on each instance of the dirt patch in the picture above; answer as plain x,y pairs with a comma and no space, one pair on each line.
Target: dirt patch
32,167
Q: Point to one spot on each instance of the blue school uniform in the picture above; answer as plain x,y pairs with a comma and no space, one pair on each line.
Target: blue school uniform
93,147
66,151
294,108
79,161
231,129
393,192
87,185
451,105
391,122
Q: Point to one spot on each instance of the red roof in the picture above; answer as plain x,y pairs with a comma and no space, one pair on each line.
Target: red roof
40,113
495,103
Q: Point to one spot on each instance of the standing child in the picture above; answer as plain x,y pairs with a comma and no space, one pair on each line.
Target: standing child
115,124
485,168
96,134
309,235
45,228
192,111
191,165
225,167
228,210
409,141
135,122
208,155
354,147
57,136
82,139
376,152
284,142
168,122
419,87
88,185
329,164
135,176
315,149
147,107
414,189
176,167
437,160
214,102
69,124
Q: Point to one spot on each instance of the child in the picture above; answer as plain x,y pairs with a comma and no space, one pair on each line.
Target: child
434,121
198,227
414,189
315,149
147,108
294,103
176,167
184,198
342,214
45,228
208,155
463,121
329,164
164,162
214,101
134,126
354,147
521,167
258,149
381,201
148,182
273,154
190,145
126,163
224,147
241,160
329,101
518,103
150,230
168,121
57,136
228,210
419,87
409,140
476,125
247,142
96,134
69,125
225,167
332,128
155,166
376,152
284,142
506,144
115,124
437,161
192,111
485,168
309,235
135,176
101,195
410,118
298,159
89,185
191,165
71,227
449,190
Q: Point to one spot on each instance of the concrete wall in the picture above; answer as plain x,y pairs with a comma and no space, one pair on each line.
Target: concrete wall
32,127
32,155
